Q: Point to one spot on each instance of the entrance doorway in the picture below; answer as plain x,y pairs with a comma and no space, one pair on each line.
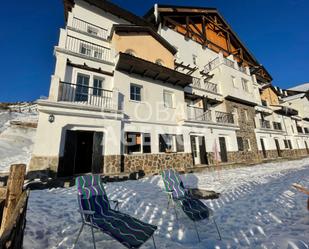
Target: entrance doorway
223,150
198,148
278,147
82,153
263,148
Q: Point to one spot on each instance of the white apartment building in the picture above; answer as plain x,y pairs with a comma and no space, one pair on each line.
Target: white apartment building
131,94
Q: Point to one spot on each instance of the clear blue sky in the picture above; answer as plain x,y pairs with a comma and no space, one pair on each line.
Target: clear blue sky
277,32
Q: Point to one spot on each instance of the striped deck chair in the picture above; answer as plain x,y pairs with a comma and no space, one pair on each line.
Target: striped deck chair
97,213
178,194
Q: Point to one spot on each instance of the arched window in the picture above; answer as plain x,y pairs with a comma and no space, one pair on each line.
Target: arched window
130,52
160,62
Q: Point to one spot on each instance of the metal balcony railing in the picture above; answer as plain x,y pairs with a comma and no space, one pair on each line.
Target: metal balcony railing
198,114
228,63
224,117
88,49
212,87
89,28
206,85
211,65
265,124
85,95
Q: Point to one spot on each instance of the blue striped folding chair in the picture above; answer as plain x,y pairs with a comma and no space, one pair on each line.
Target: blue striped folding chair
178,194
97,213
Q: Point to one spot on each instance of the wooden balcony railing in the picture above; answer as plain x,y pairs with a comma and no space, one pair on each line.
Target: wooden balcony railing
85,95
88,49
89,28
224,117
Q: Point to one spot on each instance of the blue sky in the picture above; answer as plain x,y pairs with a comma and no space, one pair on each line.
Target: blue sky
276,32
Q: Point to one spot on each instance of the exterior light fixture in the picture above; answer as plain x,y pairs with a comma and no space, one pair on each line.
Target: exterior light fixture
51,118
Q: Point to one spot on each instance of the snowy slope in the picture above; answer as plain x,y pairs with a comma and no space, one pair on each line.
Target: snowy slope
16,142
258,209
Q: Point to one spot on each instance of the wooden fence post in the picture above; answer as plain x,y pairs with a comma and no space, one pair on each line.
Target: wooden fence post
14,190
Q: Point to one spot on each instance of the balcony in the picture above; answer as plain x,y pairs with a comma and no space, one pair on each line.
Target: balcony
198,114
86,95
264,124
225,61
225,118
87,49
89,28
208,86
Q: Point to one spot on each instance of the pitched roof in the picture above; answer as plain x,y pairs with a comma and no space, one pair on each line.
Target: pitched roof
145,29
177,9
111,8
300,88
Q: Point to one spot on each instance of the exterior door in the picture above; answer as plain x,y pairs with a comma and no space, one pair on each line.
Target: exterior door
278,147
67,162
203,153
263,148
195,150
223,151
97,150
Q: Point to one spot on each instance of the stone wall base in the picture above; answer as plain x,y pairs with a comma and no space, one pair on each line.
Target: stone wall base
153,163
148,163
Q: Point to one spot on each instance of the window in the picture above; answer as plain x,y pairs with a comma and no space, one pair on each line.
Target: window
290,144
97,86
171,143
160,62
146,143
234,81
137,142
248,144
84,49
130,52
245,114
194,59
245,85
97,54
82,86
168,99
135,92
277,125
286,143
92,30
240,144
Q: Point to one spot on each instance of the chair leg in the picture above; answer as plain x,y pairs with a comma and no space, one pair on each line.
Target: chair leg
78,235
217,228
94,246
198,236
154,244
174,206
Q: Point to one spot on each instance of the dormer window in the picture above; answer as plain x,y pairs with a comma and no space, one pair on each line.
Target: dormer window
130,52
160,62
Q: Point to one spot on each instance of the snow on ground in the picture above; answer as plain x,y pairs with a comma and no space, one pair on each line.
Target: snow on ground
16,142
258,209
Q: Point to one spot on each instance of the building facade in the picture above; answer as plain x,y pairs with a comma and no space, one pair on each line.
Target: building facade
176,88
